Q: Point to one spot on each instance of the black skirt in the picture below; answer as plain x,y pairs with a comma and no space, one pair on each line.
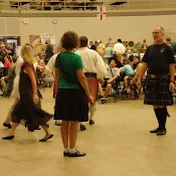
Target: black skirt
157,91
71,105
26,110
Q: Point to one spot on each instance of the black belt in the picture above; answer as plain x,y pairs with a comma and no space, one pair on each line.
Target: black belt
153,76
89,74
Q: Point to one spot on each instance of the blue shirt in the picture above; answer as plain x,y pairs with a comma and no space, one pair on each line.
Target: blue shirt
128,70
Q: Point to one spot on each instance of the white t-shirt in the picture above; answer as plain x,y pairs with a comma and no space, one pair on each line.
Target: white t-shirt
112,71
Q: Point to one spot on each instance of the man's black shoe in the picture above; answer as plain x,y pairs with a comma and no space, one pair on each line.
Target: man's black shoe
161,132
155,130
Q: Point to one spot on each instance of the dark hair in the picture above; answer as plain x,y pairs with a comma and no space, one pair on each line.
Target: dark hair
115,60
14,59
135,65
125,61
137,57
69,40
8,57
119,40
83,41
168,39
131,58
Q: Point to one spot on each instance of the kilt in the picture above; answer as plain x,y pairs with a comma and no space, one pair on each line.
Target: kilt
71,105
157,91
93,85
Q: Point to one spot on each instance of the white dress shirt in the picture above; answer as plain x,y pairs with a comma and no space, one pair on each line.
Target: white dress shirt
92,62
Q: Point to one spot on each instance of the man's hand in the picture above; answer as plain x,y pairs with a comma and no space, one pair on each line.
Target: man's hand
171,86
138,84
101,81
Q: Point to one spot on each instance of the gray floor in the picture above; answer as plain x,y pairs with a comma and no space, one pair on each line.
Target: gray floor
119,144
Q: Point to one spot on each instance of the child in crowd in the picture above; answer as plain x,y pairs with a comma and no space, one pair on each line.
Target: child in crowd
110,79
127,71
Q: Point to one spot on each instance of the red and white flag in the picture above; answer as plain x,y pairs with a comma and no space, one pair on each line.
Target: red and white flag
101,12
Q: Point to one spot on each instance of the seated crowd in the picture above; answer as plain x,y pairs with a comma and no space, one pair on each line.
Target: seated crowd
122,59
8,60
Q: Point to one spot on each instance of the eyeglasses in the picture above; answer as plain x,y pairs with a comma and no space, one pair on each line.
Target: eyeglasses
156,33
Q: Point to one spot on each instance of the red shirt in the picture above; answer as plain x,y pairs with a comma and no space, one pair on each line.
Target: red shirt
7,64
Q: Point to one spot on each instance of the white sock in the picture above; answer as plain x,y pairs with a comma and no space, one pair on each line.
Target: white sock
72,151
66,150
92,110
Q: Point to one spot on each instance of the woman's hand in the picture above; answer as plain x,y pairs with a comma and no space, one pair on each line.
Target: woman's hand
91,99
35,98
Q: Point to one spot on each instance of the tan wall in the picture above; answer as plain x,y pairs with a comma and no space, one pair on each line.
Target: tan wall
134,28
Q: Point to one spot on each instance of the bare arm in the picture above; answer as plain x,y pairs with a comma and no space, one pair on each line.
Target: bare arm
112,79
138,70
172,71
83,81
141,73
142,70
8,51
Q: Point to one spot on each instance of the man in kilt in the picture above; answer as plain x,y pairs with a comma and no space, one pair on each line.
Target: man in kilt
94,70
159,60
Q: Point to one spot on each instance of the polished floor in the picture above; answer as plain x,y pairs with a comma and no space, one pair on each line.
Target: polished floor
119,144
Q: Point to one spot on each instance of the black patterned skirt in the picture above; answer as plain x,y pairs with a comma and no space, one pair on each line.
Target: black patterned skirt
157,91
71,105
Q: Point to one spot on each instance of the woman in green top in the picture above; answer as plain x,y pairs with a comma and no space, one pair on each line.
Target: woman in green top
71,97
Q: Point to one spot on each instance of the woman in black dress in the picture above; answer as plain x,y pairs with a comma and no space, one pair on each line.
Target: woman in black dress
28,107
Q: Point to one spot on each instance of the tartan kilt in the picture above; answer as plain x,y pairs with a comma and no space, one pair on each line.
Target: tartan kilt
157,91
93,87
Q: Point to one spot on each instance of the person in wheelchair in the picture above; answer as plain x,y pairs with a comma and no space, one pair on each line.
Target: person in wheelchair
110,81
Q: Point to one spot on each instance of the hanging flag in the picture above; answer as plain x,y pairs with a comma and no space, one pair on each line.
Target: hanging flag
101,12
